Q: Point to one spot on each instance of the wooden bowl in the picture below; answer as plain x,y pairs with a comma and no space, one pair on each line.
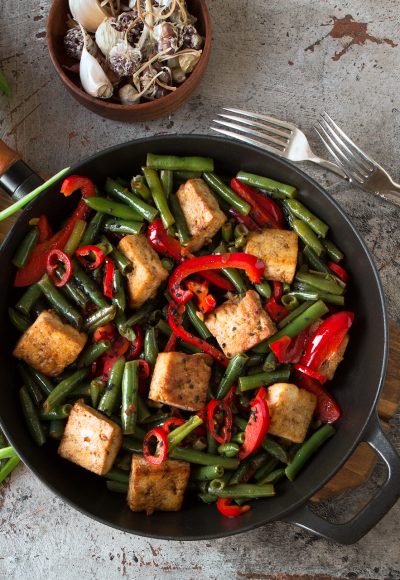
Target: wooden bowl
56,29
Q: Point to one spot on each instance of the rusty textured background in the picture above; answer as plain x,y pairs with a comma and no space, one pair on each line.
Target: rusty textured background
293,58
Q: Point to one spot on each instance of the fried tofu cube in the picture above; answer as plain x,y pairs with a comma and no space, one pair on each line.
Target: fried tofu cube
157,487
240,323
181,380
90,439
278,250
291,411
201,210
148,272
329,366
50,345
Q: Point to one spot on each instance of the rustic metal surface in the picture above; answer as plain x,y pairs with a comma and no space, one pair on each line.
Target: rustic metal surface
290,58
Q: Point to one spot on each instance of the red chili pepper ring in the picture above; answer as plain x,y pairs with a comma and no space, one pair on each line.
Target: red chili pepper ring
55,258
161,451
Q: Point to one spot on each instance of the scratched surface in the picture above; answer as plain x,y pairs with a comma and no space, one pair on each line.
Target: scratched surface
293,58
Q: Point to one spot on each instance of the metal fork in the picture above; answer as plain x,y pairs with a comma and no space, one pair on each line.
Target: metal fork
359,168
273,135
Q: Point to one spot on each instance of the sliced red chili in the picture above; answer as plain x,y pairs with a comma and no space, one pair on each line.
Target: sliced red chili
89,252
205,301
339,271
327,409
273,208
55,259
311,373
108,282
276,311
170,424
258,211
246,220
158,437
45,231
258,425
171,344
136,346
219,421
289,350
118,349
225,507
107,332
144,369
277,290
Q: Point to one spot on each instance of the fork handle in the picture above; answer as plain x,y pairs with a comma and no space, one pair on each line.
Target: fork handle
330,166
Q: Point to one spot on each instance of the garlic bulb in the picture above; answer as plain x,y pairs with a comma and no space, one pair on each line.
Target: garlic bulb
128,95
88,13
93,78
167,38
187,62
124,59
107,35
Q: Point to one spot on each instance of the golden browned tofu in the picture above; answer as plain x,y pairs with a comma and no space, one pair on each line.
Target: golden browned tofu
240,323
148,272
329,366
181,380
291,411
278,250
201,210
157,487
50,345
90,439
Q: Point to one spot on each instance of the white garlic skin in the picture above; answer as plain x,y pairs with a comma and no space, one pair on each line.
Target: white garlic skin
107,36
93,78
128,95
88,13
187,62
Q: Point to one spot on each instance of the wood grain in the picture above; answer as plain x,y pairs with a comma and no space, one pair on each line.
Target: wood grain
7,157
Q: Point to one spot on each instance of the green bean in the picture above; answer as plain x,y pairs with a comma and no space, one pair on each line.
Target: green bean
82,390
56,428
190,348
123,263
9,467
150,347
117,486
238,438
123,226
183,176
7,453
270,362
266,469
59,303
245,490
31,417
175,163
307,296
255,370
88,286
119,298
130,385
60,412
156,420
63,389
28,299
234,276
330,286
110,207
290,301
30,384
99,318
333,251
207,497
177,435
180,220
196,322
159,197
124,462
216,485
144,210
266,183
273,477
306,234
315,261
167,181
93,229
105,246
124,330
231,375
168,264
138,186
265,378
306,291
18,320
141,315
132,444
92,353
264,289
309,447
96,389
73,292
26,247
202,458
295,326
227,232
113,389
117,475
164,327
41,380
226,193
74,240
301,308
207,472
230,449
302,212
212,444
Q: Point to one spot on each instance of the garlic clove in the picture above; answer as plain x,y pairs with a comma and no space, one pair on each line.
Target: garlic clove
187,62
93,78
88,13
107,36
178,76
128,95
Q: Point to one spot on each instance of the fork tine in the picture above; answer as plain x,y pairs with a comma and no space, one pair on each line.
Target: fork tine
248,131
248,140
332,148
269,128
368,161
267,118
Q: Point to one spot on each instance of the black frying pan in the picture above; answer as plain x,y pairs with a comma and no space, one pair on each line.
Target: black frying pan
356,386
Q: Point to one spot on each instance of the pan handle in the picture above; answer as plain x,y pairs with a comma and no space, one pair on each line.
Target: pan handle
16,177
369,516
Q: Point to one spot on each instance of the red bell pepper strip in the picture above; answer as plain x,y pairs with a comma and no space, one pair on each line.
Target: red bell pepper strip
276,311
161,451
136,346
88,189
169,424
225,507
54,259
246,220
277,290
106,332
289,350
273,208
258,425
175,320
253,267
221,433
310,373
205,301
251,195
339,271
85,251
327,409
118,349
171,344
45,231
108,282
326,339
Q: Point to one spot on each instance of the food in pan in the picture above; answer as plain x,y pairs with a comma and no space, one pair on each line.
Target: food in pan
179,331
